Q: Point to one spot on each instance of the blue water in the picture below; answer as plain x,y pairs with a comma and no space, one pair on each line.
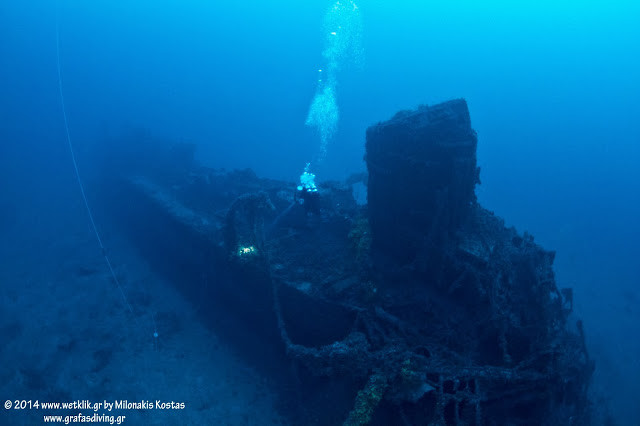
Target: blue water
552,89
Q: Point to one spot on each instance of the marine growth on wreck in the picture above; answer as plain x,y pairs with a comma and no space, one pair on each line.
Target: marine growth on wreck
418,307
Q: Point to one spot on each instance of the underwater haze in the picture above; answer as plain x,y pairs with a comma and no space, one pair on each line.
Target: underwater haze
552,89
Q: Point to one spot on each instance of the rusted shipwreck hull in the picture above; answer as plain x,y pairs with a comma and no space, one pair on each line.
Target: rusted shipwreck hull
420,307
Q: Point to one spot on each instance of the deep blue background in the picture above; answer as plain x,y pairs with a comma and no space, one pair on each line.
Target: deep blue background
552,90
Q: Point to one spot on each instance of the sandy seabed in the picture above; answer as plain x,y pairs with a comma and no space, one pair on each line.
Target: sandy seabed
68,334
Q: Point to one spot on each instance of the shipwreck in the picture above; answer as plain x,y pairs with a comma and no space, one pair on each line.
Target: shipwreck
418,307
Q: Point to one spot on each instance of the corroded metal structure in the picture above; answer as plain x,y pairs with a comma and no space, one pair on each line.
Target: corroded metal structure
420,307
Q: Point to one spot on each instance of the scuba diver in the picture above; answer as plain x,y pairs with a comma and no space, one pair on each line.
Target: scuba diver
307,194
